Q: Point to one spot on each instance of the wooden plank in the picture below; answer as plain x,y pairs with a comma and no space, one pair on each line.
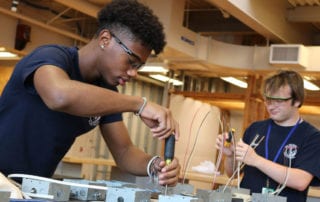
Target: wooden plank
220,179
95,161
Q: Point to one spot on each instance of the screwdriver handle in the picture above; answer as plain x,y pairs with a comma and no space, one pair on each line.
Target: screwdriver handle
230,136
169,149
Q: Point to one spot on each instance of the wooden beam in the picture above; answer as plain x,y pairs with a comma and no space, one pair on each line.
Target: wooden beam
237,101
303,14
212,96
83,6
43,25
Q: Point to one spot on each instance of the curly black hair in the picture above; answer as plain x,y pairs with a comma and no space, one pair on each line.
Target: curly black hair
136,17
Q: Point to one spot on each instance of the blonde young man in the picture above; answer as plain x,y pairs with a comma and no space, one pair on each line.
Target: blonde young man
290,147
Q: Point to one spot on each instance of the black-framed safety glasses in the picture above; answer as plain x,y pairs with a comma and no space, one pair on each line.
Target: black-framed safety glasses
277,100
134,59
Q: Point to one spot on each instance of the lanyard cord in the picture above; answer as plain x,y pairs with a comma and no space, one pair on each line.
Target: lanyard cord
283,143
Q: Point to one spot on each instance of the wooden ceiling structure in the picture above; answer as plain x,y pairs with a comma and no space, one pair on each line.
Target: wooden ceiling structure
260,23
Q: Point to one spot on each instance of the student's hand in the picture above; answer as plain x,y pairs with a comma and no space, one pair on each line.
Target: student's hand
245,153
160,121
169,174
220,144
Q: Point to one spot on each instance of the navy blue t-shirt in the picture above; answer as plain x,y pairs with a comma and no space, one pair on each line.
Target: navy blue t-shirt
33,138
303,147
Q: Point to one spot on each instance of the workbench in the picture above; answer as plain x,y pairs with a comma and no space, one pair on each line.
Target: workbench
190,176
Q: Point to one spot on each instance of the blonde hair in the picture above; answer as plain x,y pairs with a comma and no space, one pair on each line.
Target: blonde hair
286,77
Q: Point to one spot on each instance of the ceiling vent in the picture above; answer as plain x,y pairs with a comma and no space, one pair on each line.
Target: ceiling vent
288,55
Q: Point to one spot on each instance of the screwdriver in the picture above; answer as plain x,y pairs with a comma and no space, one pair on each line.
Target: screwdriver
230,135
169,152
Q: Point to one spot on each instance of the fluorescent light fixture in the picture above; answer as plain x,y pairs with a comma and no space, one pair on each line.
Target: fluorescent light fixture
4,54
154,67
309,85
235,81
163,78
